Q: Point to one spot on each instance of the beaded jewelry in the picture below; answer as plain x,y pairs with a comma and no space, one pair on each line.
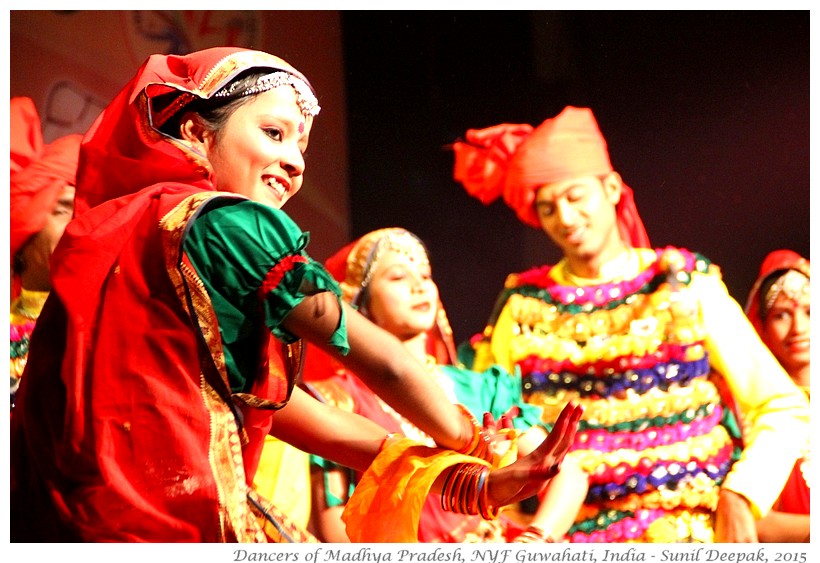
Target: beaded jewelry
304,95
792,284
364,266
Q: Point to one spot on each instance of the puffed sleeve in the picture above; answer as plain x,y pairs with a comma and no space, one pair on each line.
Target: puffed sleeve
252,260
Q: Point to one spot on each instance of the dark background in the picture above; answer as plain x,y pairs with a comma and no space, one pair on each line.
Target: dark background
706,115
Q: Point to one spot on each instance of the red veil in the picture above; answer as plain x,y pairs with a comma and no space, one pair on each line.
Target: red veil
109,441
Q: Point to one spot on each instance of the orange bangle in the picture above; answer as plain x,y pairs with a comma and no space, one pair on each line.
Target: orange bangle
479,444
471,502
455,500
445,490
487,512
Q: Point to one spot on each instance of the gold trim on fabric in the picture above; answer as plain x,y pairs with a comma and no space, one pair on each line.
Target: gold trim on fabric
225,446
293,359
285,530
237,521
185,280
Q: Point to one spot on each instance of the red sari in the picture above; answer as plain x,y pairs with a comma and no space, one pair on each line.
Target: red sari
134,435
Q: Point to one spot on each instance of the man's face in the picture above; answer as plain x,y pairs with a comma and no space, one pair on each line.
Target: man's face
579,216
36,253
259,153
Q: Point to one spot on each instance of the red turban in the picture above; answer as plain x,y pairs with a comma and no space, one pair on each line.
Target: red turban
39,172
515,160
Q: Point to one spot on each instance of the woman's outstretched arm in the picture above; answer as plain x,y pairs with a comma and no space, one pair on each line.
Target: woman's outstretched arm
382,362
343,437
354,441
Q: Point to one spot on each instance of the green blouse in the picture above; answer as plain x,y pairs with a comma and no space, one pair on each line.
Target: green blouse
234,244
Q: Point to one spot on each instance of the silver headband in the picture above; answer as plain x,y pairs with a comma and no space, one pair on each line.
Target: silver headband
402,242
305,98
792,284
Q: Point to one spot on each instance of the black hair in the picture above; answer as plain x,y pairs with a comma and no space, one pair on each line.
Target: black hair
213,111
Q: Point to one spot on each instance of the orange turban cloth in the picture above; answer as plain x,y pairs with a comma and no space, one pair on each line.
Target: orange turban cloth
39,172
513,161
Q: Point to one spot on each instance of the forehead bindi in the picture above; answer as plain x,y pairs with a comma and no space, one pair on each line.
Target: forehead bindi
301,127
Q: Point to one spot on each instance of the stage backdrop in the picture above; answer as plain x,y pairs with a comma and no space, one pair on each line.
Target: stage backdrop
71,63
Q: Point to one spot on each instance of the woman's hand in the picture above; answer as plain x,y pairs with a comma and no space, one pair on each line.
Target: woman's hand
528,475
499,432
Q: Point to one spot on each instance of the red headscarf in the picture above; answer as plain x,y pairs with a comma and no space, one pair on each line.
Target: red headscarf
124,152
776,261
513,161
39,172
111,279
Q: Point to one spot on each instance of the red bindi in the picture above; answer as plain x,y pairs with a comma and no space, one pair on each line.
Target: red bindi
301,127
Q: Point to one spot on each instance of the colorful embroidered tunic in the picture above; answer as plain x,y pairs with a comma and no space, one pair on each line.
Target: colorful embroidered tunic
23,315
644,354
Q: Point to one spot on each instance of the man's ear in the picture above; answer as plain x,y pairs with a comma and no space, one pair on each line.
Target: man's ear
193,133
612,187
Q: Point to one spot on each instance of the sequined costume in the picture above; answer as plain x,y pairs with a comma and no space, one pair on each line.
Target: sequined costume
23,315
644,353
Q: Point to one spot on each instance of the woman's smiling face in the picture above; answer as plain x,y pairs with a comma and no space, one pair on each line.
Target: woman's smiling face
259,153
786,331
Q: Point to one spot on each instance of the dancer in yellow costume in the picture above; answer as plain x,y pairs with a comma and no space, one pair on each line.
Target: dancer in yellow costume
646,339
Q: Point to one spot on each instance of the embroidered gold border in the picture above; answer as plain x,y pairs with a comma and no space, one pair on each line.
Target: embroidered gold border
237,521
